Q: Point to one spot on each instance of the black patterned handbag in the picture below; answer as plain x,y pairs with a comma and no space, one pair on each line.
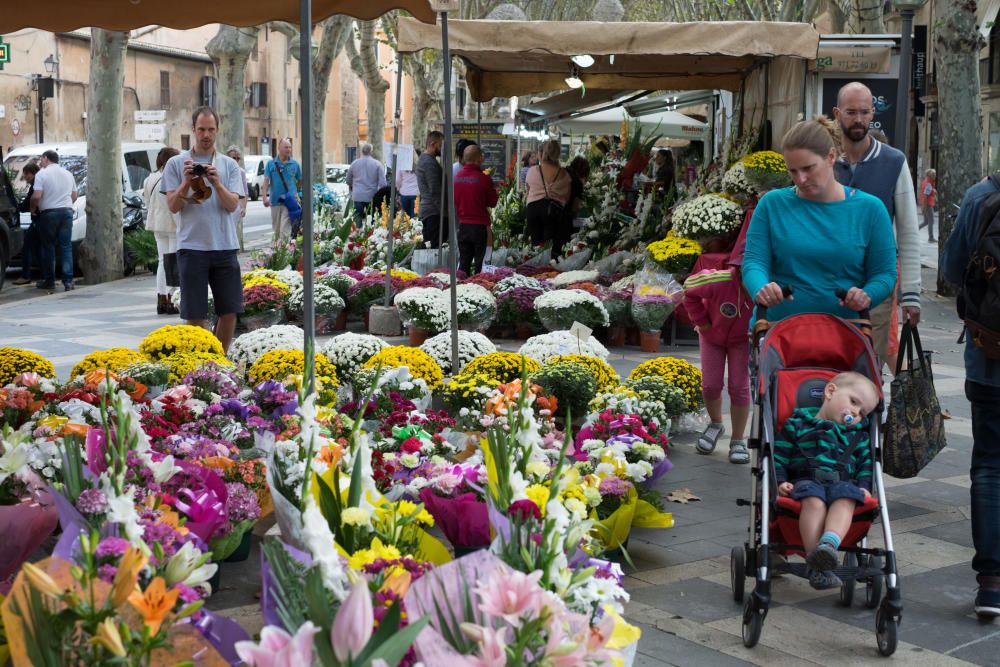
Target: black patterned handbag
914,431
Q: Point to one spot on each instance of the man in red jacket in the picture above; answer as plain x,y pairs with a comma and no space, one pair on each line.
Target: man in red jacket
474,197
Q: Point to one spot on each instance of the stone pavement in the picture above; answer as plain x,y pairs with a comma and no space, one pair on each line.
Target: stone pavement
680,583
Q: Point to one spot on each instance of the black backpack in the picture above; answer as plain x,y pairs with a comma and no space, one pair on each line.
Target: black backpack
979,299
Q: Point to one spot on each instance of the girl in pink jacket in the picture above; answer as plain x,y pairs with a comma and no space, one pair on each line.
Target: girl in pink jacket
720,309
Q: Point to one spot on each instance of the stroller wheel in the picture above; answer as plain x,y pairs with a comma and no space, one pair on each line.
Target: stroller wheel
873,588
753,621
847,583
885,632
737,572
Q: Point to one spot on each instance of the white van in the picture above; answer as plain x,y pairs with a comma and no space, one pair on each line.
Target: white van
254,165
138,161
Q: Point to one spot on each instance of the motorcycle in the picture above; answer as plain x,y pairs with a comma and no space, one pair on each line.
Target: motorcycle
133,222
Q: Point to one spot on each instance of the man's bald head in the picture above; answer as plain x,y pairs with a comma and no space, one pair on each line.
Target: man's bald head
854,90
472,155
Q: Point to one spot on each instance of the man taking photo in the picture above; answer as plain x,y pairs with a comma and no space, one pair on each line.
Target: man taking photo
203,190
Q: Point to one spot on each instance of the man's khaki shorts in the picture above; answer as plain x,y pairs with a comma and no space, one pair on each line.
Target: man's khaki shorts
281,223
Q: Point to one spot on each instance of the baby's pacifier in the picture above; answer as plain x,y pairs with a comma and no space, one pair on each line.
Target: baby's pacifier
848,418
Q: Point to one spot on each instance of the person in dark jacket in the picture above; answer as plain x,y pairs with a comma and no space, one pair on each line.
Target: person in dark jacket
30,250
429,175
474,197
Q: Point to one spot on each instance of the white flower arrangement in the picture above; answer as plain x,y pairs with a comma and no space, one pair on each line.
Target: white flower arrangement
570,277
444,279
736,183
559,309
708,215
557,343
426,308
349,351
326,299
476,306
517,280
471,344
251,346
338,280
651,410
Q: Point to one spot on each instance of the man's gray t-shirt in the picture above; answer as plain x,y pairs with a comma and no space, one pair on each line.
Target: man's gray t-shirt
365,176
205,226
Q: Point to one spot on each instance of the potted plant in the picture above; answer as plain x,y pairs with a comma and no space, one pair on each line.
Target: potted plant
263,306
424,311
559,309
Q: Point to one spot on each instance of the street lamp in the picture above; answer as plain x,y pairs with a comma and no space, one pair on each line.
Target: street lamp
906,8
45,88
52,65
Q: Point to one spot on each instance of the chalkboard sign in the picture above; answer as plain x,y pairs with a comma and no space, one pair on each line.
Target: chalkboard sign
495,146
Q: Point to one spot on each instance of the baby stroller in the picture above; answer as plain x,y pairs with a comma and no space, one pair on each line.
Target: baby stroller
791,362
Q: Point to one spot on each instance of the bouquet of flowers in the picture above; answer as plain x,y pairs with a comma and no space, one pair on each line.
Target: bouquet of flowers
424,308
262,299
706,216
278,365
618,304
559,309
678,372
516,306
471,344
543,347
736,183
476,306
624,445
674,254
625,399
654,389
515,281
14,361
655,296
251,346
349,351
766,170
569,277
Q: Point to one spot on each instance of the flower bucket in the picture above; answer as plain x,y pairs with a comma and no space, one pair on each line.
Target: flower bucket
216,581
616,336
523,331
631,335
261,320
324,323
649,341
340,324
417,336
364,318
243,550
155,390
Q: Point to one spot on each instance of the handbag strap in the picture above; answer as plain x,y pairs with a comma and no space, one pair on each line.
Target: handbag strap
541,173
912,350
281,174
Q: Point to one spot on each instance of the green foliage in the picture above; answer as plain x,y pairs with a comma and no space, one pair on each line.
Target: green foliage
141,244
571,383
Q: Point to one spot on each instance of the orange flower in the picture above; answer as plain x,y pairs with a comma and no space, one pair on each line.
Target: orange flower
218,462
74,429
138,392
97,376
172,519
123,586
398,583
330,454
155,604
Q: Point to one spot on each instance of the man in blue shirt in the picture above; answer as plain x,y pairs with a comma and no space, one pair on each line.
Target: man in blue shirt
982,388
281,175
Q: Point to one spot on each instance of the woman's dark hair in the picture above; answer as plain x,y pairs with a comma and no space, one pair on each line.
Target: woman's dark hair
580,167
164,156
30,168
817,135
526,159
668,157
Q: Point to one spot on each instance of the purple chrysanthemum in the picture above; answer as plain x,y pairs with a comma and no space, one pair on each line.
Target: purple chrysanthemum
92,502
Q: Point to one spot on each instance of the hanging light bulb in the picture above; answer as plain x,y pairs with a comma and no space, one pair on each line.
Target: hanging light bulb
583,60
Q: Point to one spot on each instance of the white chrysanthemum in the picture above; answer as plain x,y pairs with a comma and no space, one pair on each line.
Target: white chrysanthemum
251,346
543,347
326,298
570,277
558,309
471,344
349,351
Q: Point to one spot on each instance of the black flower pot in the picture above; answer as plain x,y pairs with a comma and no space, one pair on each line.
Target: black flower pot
242,551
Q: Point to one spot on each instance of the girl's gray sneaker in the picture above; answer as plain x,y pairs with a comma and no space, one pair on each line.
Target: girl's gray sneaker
706,441
738,452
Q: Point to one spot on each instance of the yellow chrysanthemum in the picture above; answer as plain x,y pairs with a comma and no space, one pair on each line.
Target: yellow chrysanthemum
674,253
114,359
538,494
376,551
604,375
421,364
281,364
678,372
179,338
14,361
501,367
182,363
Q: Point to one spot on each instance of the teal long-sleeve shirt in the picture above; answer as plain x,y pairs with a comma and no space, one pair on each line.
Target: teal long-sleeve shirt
817,247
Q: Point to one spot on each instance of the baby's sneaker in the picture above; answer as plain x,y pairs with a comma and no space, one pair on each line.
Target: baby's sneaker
823,557
707,440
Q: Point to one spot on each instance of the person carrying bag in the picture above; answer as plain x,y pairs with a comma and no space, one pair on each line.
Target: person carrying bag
914,431
290,202
546,200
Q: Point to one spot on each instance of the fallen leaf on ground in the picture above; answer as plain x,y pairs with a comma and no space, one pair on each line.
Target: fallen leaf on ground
682,496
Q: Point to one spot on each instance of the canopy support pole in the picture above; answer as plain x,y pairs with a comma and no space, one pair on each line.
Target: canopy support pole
392,185
305,100
448,194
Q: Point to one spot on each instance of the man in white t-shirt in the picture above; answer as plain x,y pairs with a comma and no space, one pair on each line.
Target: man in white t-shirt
52,202
203,190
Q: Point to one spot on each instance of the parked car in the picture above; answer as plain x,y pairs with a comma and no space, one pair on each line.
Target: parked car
137,161
11,234
254,166
336,181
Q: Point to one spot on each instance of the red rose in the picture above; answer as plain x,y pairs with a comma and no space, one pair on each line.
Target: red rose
411,445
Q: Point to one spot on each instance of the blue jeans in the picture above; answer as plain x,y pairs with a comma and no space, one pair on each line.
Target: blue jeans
56,227
407,202
985,475
362,208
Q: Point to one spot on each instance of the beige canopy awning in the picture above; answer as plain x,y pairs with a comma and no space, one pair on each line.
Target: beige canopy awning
507,58
66,15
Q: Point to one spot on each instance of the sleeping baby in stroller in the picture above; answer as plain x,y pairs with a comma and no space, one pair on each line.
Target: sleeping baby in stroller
823,459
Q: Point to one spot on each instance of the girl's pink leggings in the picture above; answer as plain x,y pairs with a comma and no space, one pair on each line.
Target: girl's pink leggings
713,371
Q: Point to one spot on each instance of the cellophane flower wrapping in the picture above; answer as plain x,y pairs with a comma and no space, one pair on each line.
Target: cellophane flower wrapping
654,298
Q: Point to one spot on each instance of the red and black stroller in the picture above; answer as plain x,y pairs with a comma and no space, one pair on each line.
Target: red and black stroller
791,362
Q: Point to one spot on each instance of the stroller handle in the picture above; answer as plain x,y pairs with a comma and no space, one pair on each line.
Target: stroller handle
786,291
863,314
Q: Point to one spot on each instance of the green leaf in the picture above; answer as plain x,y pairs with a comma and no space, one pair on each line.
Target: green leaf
393,649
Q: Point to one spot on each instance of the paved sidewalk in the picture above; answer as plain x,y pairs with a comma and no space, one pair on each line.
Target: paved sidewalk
680,585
